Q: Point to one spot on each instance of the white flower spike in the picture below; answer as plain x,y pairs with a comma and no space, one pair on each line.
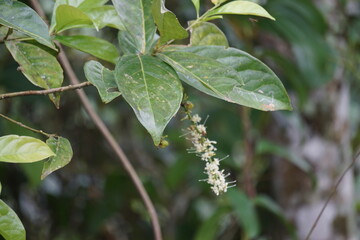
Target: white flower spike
205,149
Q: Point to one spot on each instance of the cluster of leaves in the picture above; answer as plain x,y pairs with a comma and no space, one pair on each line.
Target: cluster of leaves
148,69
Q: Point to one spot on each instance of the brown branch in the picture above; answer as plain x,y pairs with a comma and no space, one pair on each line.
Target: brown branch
107,135
44,92
25,126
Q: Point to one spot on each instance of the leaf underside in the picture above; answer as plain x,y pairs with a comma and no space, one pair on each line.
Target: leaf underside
62,148
103,79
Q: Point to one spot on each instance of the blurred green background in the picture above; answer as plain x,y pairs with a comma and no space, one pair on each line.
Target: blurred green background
285,163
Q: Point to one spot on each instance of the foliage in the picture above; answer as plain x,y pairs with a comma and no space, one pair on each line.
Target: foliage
148,70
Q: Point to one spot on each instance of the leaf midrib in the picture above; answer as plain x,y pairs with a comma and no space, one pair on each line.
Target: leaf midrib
146,88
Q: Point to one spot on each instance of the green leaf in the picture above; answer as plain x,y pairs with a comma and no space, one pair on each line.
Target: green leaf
167,23
62,148
267,203
152,89
17,15
209,229
207,34
268,147
103,79
126,43
92,45
240,8
138,22
22,149
197,6
263,90
204,74
11,227
38,65
86,4
245,212
68,17
105,16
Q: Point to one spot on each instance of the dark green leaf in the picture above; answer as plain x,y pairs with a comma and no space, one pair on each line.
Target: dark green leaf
263,90
240,8
209,229
204,74
152,89
167,23
103,79
138,22
22,149
267,203
92,45
105,16
17,15
11,227
245,212
207,34
38,65
68,17
267,147
62,148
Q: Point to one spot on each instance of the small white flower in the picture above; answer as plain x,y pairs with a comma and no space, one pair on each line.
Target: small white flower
205,149
201,128
196,118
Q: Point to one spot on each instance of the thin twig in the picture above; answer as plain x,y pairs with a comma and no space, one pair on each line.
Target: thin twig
331,195
44,92
107,135
27,127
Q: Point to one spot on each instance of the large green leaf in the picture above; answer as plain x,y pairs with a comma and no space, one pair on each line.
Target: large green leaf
204,74
11,227
92,45
103,79
138,22
207,34
240,8
167,23
105,16
68,17
17,15
245,213
22,149
263,90
38,65
62,148
152,89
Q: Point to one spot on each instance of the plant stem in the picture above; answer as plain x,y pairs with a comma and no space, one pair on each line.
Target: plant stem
249,155
107,134
27,127
45,92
